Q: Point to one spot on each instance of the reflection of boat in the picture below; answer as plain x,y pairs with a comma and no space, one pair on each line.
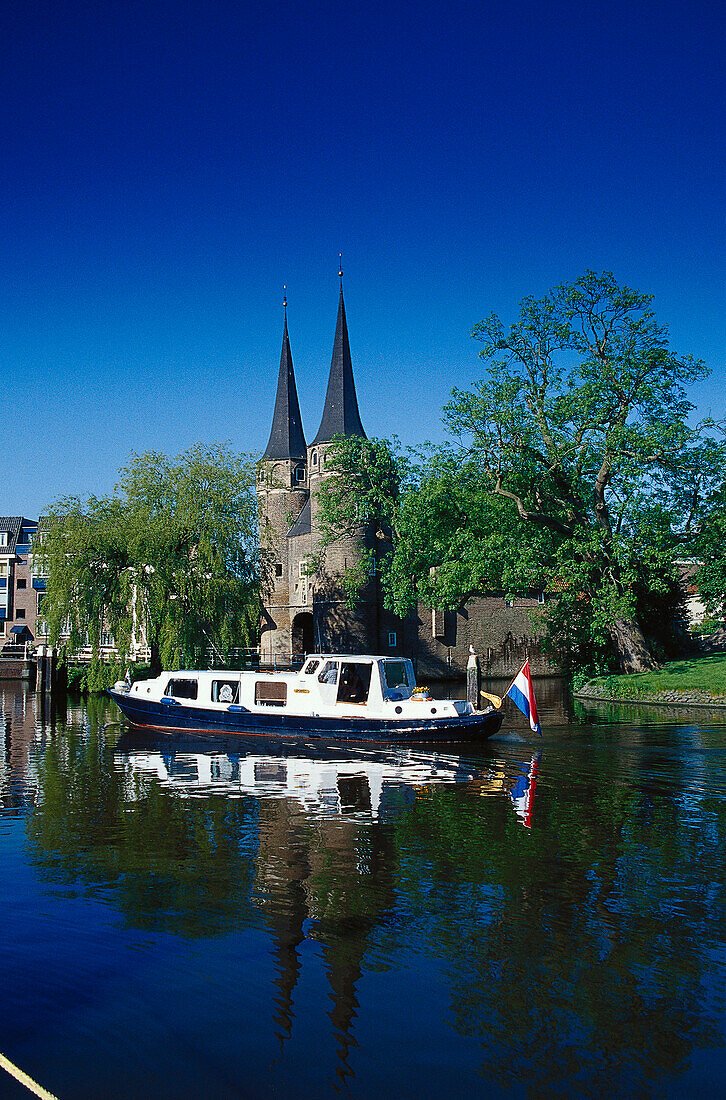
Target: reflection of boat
355,786
343,698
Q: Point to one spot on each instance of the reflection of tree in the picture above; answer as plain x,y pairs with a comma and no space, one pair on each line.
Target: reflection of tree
575,952
169,864
570,946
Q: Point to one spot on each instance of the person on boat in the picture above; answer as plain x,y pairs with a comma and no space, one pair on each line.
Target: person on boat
351,688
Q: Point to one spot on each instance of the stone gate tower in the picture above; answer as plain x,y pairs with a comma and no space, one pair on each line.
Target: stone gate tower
304,606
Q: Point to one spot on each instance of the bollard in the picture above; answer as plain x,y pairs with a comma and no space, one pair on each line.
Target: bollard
473,679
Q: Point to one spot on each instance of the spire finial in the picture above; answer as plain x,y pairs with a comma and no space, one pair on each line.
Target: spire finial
340,267
284,298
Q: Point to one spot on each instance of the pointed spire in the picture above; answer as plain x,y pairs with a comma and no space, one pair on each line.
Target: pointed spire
340,414
287,440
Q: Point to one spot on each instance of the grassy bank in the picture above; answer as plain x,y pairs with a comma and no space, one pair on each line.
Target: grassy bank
702,678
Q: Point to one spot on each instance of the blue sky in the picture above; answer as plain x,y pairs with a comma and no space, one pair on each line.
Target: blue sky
166,167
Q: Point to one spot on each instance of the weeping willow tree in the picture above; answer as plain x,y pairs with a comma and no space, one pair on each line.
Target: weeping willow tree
172,553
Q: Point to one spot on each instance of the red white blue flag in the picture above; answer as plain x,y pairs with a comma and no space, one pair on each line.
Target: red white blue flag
522,695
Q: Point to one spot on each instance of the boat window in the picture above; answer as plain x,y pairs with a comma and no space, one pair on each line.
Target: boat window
328,673
355,682
310,667
225,691
270,693
395,673
181,689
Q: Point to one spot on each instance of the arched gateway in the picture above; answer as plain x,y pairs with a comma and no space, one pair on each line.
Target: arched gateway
303,639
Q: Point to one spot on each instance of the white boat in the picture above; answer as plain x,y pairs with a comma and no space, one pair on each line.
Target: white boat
334,696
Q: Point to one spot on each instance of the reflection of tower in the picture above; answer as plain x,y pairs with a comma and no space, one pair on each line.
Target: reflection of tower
281,870
334,874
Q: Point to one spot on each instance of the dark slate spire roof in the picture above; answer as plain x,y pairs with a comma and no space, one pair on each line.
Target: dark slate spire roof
340,415
287,440
302,525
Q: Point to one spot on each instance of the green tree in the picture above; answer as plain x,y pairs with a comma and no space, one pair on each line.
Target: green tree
581,427
174,546
572,465
362,493
711,544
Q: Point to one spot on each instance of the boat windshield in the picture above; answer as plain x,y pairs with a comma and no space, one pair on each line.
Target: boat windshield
396,674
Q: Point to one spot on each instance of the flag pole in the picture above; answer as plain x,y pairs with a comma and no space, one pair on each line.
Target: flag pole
503,697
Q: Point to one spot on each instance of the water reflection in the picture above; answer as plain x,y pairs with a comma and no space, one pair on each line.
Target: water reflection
368,785
554,916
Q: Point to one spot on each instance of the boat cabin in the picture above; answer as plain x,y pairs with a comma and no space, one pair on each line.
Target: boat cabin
325,681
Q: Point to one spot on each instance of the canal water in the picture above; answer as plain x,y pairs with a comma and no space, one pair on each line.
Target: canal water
208,919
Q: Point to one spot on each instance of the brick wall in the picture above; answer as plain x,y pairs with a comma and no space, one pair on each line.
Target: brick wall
504,637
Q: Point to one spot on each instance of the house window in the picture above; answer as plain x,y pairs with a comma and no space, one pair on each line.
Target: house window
22,583
106,639
302,569
2,628
19,613
3,538
392,638
278,568
315,459
300,473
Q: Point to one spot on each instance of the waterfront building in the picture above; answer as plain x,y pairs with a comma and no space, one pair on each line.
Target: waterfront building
21,591
304,605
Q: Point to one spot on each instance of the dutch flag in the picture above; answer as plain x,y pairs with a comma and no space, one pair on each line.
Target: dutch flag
522,695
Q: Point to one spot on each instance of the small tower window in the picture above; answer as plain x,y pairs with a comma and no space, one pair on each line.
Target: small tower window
278,568
300,473
315,458
392,639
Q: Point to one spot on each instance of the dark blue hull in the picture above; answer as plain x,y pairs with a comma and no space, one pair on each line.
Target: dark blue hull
147,714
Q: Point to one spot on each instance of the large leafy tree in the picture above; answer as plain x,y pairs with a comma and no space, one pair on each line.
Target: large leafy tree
173,548
573,465
581,425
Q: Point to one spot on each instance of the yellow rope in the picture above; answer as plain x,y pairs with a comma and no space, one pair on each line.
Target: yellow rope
23,1078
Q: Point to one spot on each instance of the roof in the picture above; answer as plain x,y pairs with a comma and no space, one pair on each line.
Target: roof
340,413
12,525
302,525
287,439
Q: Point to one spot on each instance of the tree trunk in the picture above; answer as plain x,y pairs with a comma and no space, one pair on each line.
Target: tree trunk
155,659
631,647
